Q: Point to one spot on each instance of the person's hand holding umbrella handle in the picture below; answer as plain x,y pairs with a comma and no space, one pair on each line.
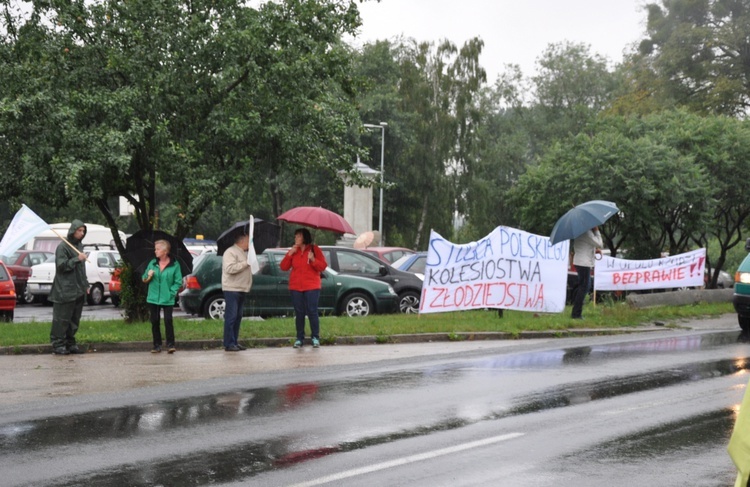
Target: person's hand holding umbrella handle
310,256
597,251
150,276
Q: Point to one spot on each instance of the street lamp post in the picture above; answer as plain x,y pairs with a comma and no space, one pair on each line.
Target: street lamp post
382,127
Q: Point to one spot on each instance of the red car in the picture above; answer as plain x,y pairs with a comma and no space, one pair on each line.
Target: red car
114,287
19,265
7,294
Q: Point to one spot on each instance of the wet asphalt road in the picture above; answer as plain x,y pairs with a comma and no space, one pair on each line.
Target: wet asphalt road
650,409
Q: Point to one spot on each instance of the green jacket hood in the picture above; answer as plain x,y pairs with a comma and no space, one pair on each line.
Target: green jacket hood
76,224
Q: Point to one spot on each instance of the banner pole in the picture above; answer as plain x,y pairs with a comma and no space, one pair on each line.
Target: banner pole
69,244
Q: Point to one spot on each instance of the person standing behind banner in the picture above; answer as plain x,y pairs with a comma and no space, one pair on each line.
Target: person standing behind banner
69,290
236,280
164,278
306,262
585,248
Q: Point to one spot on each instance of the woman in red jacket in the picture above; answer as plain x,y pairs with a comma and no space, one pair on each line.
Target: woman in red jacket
306,262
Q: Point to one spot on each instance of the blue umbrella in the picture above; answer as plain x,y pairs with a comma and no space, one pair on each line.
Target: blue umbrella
582,218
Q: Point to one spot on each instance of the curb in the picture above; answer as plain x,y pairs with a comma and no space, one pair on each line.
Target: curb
680,298
216,345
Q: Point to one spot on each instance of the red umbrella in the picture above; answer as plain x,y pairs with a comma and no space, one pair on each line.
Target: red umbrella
317,217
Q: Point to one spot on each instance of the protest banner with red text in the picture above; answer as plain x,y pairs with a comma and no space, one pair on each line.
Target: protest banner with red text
508,269
682,270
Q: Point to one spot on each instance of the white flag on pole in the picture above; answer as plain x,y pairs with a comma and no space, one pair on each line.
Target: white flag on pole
252,259
25,226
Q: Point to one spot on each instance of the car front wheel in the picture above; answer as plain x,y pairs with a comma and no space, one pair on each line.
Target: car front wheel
408,302
356,304
215,307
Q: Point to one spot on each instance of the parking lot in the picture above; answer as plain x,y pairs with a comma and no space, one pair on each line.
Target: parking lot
40,312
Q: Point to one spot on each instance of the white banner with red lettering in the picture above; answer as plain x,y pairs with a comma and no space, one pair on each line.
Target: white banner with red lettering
682,270
508,269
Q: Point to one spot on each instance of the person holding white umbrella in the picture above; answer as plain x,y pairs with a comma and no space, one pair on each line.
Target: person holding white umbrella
236,281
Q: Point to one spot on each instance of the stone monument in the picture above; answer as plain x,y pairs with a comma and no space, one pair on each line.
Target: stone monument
358,202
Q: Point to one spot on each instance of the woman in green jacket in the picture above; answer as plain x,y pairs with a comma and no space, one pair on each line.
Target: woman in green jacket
164,279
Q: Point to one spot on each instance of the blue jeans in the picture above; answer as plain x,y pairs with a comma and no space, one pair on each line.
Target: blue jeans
582,289
232,317
306,303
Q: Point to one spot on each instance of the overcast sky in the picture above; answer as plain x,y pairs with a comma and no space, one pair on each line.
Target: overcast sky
513,31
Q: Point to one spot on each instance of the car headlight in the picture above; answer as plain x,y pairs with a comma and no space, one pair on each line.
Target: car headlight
390,290
743,277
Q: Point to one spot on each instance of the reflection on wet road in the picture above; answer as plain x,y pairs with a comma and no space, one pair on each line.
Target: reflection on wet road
239,434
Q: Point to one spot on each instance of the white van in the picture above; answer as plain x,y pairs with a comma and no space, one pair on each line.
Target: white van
48,239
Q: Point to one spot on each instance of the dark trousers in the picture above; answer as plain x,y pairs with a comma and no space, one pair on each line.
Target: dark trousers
66,317
232,317
156,328
306,303
582,289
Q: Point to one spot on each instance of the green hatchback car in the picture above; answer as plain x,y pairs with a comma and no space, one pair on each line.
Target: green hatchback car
741,297
269,296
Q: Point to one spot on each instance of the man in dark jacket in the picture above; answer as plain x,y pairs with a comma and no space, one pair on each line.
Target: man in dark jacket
68,291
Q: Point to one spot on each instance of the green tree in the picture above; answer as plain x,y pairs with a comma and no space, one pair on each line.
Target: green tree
721,147
377,66
437,89
572,86
663,193
186,98
698,51
500,156
522,117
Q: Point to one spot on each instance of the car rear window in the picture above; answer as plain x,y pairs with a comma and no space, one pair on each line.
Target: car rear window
353,263
3,274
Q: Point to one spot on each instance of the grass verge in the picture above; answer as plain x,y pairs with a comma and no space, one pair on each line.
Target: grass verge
382,326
